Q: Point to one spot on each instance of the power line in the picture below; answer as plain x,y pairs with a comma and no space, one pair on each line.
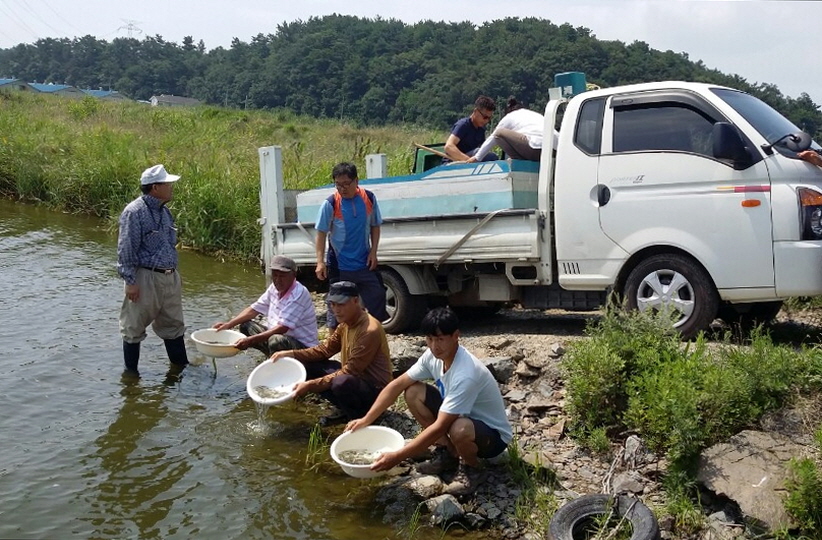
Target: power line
59,16
20,22
38,17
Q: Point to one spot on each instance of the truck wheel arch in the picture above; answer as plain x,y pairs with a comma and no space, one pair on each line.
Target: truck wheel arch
416,278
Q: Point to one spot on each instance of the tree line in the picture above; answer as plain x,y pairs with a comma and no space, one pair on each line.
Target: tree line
374,71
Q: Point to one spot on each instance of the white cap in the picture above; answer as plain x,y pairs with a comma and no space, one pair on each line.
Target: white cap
157,175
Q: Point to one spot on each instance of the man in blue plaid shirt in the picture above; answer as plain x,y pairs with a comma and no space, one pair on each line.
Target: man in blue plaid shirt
147,262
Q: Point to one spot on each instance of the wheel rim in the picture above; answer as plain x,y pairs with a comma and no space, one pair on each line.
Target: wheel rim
668,292
390,303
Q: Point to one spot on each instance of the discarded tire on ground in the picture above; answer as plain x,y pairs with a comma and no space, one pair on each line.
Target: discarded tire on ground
570,521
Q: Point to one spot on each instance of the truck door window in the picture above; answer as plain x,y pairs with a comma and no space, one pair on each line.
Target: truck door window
588,136
662,126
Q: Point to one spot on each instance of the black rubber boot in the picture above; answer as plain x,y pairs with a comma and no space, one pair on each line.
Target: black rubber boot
131,355
176,349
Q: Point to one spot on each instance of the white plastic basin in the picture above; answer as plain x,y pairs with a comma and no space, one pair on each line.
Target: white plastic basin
375,439
279,377
216,343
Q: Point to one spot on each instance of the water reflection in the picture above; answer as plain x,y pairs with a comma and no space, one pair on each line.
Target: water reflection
140,471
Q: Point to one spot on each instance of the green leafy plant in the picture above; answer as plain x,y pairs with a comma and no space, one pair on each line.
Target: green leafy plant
804,500
91,166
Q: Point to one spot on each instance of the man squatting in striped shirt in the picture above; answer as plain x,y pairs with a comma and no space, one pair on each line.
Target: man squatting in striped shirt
290,320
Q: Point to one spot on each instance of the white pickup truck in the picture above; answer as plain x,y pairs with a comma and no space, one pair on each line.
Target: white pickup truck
677,196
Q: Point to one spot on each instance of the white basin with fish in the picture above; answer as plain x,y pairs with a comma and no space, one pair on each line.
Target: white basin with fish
216,343
272,383
366,443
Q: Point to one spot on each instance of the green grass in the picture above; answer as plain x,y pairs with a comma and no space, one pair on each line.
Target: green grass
536,503
86,156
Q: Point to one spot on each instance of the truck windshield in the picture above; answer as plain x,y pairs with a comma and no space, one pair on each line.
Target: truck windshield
769,123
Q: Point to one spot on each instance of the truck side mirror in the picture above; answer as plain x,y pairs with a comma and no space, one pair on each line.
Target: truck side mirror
729,145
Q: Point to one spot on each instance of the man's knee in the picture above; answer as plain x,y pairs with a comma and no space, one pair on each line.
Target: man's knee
415,393
462,430
280,342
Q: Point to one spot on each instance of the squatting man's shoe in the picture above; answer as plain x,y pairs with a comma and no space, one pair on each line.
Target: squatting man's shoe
333,418
442,461
466,481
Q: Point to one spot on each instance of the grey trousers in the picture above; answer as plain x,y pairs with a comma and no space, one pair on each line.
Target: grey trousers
277,342
516,145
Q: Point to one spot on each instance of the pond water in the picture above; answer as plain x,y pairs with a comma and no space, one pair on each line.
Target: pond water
87,453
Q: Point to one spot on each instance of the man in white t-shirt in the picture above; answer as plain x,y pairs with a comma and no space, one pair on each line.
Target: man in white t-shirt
519,133
462,413
290,320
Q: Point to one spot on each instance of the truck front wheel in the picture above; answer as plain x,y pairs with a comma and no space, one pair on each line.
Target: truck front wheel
677,285
405,310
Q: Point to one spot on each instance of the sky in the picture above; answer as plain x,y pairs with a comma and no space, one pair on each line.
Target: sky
777,42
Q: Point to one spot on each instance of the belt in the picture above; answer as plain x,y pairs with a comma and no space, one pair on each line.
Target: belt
160,270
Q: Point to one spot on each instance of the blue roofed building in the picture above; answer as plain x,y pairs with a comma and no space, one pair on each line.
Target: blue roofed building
9,85
58,89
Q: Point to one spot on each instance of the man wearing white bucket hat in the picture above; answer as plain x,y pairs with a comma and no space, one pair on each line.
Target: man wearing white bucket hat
463,413
290,319
365,367
147,262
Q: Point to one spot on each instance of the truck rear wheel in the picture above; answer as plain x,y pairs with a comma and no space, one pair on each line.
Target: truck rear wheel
405,310
675,284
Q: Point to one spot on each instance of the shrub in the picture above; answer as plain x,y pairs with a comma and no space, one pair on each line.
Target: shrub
804,500
86,156
634,374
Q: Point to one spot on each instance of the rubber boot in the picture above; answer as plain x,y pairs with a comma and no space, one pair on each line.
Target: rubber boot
176,349
131,355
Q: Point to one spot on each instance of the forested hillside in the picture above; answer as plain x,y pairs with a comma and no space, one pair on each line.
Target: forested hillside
373,71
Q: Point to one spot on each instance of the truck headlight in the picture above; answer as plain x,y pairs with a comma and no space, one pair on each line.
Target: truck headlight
810,202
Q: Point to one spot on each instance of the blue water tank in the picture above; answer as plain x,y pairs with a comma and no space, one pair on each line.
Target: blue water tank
570,82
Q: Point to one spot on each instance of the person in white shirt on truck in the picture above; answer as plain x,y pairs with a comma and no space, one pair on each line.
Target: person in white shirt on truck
519,134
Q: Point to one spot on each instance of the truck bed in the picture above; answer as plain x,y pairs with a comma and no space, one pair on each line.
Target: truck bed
499,236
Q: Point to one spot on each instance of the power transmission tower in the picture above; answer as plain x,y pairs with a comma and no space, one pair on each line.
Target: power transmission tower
130,27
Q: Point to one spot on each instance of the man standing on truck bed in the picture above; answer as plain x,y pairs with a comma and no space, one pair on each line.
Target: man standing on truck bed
350,222
468,134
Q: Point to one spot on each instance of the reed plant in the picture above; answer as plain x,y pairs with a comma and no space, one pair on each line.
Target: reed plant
317,449
86,156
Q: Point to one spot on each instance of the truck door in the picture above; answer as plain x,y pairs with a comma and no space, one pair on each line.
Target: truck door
660,185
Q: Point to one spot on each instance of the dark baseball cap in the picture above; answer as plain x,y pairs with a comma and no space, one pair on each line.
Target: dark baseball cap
342,291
